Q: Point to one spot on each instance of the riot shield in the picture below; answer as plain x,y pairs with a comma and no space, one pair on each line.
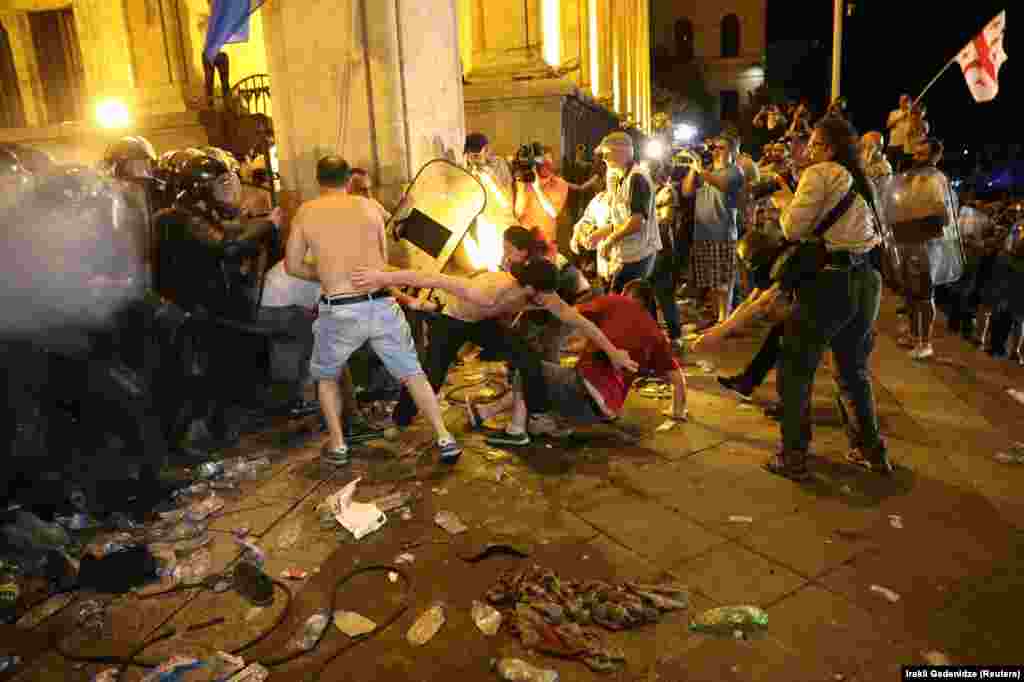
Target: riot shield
919,213
892,266
432,223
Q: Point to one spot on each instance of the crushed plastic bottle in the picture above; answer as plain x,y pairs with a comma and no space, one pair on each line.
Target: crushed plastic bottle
486,617
30,533
426,626
314,630
516,670
726,620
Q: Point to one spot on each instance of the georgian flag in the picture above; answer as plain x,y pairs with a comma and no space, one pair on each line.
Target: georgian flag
981,58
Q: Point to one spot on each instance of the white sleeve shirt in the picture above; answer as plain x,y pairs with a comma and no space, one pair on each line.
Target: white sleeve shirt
821,188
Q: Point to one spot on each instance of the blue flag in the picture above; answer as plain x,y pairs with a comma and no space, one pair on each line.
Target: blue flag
229,23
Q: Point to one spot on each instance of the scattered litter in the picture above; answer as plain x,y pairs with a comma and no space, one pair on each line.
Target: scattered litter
208,470
392,576
406,515
516,670
886,592
242,531
1009,458
1016,395
896,521
439,491
556,616
108,675
405,558
313,630
77,521
91,616
846,489
353,624
936,658
426,626
253,553
499,474
172,669
223,664
392,501
666,425
706,366
203,509
253,673
741,519
294,574
194,569
487,618
738,634
254,613
728,619
745,406
356,517
450,522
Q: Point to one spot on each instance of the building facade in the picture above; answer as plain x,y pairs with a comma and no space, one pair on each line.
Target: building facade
554,71
727,39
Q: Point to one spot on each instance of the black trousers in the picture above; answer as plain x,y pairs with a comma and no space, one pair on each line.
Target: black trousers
448,335
222,65
766,358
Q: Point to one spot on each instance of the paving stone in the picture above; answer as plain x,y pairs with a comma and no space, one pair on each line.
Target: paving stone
731,574
805,544
652,531
257,518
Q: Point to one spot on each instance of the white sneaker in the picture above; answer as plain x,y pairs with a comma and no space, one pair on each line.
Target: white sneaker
922,352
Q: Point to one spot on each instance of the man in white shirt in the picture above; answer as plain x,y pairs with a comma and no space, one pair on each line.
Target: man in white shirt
898,126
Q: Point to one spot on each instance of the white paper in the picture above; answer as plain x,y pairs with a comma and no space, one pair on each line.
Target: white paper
356,517
666,425
353,624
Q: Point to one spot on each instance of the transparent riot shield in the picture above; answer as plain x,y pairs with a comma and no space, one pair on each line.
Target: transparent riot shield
433,220
892,267
920,214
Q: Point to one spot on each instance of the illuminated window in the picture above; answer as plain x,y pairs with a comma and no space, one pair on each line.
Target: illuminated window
731,36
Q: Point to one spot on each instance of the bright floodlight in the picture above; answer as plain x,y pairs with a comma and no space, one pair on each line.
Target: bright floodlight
685,132
655,149
112,113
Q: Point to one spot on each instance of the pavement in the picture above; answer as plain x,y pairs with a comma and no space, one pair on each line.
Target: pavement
690,505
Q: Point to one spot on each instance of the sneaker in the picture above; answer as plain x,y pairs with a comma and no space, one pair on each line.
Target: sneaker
737,387
508,439
360,431
876,461
922,352
450,451
334,456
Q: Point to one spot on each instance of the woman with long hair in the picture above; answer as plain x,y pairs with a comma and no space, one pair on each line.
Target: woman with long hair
838,306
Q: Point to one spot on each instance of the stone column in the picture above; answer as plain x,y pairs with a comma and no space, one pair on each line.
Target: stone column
376,81
20,36
106,51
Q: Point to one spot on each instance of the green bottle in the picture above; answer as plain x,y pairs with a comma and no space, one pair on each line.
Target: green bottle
726,620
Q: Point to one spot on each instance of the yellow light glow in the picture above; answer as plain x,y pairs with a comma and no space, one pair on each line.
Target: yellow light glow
492,189
595,63
552,31
112,113
484,250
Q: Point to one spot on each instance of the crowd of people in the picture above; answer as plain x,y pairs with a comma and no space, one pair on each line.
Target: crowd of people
190,273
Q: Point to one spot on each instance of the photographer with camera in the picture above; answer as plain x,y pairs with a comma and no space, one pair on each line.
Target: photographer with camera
715,229
541,194
771,118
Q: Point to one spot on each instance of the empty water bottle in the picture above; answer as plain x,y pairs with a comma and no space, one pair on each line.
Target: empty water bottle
314,630
516,670
726,620
426,626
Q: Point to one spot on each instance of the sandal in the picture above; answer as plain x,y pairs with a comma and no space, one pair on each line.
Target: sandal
790,469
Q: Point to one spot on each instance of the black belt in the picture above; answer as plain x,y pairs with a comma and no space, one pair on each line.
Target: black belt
845,259
355,298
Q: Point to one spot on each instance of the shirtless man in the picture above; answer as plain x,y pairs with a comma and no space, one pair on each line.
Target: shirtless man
344,232
473,316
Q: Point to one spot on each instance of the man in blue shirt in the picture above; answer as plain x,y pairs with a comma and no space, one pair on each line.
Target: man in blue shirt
713,255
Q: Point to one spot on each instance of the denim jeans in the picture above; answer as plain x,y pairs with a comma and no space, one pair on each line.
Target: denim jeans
640,269
838,308
664,282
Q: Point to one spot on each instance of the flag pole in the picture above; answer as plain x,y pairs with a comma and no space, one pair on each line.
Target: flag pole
932,82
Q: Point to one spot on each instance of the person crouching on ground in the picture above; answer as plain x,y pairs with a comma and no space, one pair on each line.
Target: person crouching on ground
595,390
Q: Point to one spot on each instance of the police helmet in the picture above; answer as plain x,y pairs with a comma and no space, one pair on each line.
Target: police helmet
130,157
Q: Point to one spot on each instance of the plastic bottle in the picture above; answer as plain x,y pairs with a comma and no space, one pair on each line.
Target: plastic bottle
9,592
314,629
426,626
726,620
516,670
487,618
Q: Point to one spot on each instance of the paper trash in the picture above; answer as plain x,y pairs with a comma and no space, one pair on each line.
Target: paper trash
356,517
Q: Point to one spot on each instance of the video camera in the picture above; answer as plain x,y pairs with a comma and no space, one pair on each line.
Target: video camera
689,154
524,167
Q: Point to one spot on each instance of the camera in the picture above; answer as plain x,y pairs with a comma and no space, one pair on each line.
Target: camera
524,166
690,153
765,188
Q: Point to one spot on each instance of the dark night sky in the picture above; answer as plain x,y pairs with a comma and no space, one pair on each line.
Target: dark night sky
887,53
